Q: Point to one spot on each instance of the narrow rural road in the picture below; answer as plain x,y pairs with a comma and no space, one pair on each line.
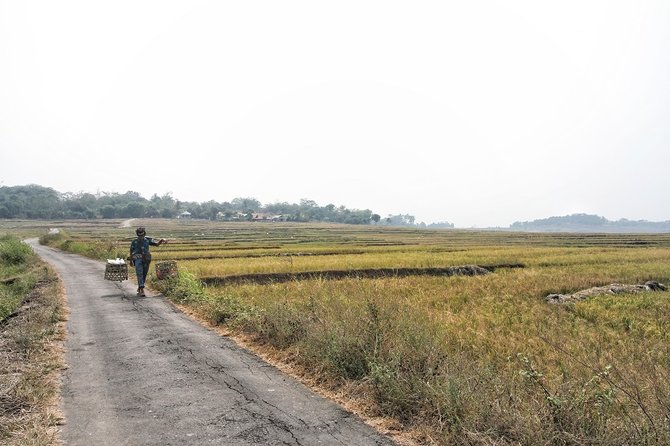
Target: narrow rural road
142,373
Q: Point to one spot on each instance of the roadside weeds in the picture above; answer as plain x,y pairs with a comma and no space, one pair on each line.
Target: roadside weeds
353,396
31,348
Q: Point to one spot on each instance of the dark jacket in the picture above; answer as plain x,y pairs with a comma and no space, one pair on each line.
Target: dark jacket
139,248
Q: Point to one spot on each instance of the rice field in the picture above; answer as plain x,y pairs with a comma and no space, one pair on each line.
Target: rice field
479,359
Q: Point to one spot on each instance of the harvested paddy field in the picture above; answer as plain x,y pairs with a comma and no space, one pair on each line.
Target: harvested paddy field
449,358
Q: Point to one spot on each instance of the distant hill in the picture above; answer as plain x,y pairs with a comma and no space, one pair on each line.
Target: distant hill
589,223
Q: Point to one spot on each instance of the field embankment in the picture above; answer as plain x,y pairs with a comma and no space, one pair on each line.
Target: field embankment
371,273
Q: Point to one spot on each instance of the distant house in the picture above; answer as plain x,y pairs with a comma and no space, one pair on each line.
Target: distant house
267,217
232,216
185,214
254,216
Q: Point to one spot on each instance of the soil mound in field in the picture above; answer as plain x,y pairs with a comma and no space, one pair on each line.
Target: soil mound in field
465,270
615,288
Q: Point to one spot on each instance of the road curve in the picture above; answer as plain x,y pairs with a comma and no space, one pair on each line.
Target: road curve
142,373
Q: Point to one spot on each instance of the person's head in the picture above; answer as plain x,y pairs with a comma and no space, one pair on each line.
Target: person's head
141,232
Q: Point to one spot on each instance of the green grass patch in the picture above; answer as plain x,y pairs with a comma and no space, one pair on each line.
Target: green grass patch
17,274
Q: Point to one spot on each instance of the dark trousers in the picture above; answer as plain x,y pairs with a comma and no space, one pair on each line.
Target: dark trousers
141,270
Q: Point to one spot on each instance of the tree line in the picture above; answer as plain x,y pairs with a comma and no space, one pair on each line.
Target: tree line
38,202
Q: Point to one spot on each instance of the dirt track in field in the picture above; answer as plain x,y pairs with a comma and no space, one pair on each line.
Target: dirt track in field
140,372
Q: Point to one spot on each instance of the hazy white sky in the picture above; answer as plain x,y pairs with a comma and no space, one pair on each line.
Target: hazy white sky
474,112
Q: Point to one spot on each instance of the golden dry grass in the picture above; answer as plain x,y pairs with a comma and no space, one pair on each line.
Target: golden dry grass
456,360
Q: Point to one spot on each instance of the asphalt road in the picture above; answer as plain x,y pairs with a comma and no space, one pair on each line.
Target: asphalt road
142,373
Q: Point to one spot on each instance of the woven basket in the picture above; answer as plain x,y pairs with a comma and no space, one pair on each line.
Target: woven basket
116,272
166,269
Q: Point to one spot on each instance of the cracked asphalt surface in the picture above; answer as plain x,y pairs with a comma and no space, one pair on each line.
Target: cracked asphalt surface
140,372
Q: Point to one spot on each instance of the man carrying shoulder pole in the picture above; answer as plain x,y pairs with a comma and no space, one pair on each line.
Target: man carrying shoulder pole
141,257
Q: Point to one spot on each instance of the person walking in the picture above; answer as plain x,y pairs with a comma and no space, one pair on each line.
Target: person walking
141,257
